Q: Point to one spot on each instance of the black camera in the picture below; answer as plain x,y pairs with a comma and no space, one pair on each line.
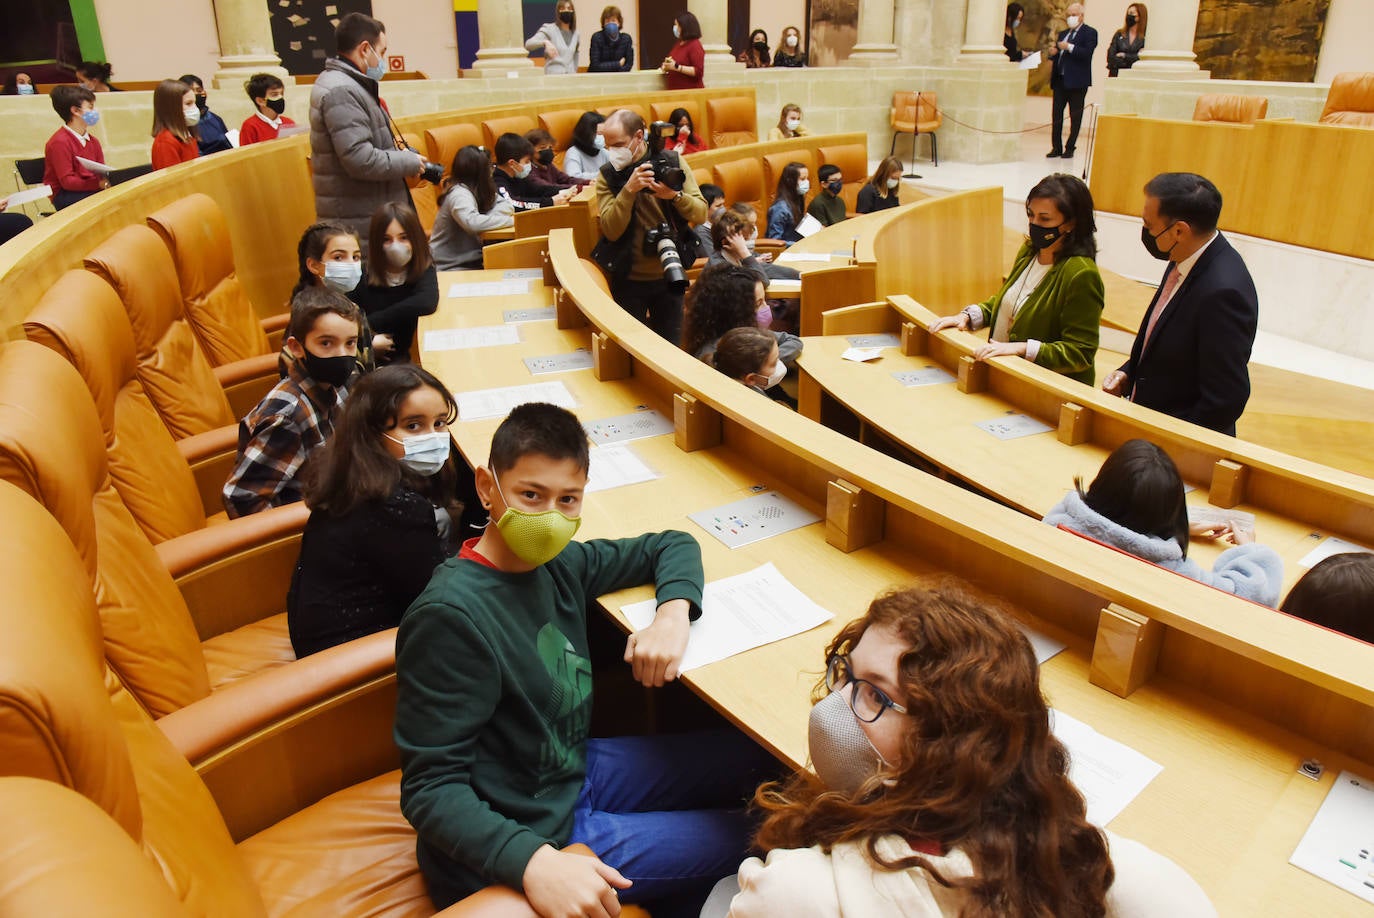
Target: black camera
665,172
659,241
433,173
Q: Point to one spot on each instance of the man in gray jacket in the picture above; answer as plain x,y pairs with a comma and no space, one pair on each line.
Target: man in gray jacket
357,166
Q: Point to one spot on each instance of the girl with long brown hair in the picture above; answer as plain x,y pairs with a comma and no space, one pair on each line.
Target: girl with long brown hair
941,789
175,116
468,207
881,190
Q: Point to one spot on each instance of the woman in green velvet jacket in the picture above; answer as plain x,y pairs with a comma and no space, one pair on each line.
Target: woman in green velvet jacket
1050,307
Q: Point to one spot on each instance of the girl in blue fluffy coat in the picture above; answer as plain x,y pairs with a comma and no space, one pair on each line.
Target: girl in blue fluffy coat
1136,504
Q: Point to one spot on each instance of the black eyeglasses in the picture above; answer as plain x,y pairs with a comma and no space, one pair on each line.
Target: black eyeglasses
866,700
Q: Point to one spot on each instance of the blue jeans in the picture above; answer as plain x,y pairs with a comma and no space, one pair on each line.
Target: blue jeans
668,812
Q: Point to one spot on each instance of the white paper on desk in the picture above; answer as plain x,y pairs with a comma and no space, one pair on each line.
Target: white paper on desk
93,166
232,135
1030,61
1329,546
1339,844
809,225
458,339
291,130
1109,774
36,193
740,613
580,359
861,354
803,256
1044,646
926,376
461,290
783,285
753,519
884,339
1013,426
481,404
614,467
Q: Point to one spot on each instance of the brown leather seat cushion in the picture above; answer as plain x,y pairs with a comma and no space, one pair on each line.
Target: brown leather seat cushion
246,651
1350,101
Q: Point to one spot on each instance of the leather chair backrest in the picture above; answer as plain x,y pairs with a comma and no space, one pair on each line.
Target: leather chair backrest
1230,107
64,714
914,111
560,124
51,446
853,162
742,182
81,318
774,163
493,128
702,175
1350,100
423,195
444,142
223,318
174,371
635,107
57,835
733,121
661,111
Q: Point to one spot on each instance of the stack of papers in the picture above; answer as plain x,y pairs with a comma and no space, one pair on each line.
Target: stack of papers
1339,844
458,339
753,519
803,256
36,193
616,466
489,288
1329,547
1109,774
481,404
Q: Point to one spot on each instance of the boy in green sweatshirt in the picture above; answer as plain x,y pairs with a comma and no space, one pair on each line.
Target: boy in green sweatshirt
495,695
827,206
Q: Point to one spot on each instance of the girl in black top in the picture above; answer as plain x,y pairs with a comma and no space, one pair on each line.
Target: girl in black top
880,192
790,52
612,51
401,283
1128,41
756,54
1014,13
381,510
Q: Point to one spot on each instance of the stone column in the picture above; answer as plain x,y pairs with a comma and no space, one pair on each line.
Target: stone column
875,47
911,31
983,27
714,17
1169,42
501,41
245,43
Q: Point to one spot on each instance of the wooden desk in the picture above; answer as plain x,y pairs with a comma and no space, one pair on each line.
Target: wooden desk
1235,771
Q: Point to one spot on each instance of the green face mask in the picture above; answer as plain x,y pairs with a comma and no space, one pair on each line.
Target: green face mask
536,538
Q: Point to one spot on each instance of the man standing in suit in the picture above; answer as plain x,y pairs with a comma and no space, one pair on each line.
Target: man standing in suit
1072,74
1190,357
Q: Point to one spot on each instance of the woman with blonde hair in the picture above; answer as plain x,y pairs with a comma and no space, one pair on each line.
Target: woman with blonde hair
789,123
790,52
175,116
880,192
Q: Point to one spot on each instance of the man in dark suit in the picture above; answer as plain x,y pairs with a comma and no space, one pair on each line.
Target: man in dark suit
1190,357
1070,77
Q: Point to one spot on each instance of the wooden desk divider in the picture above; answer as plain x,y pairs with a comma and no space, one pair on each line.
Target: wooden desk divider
1125,650
1075,424
973,375
566,313
915,340
695,425
1228,484
828,288
853,517
609,360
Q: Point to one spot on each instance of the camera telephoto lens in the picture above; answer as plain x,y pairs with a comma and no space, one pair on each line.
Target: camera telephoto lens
660,241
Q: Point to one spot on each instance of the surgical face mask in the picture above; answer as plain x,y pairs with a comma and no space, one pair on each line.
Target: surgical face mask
677,32
375,71
793,123
1074,21
835,187
1042,237
779,371
333,371
763,317
599,142
841,752
24,89
91,117
803,186
612,29
791,41
277,106
343,276
397,254
893,182
546,156
621,157
535,538
523,171
425,453
1151,242
1016,24
192,116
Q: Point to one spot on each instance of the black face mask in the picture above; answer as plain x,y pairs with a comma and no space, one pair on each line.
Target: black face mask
202,103
332,371
1151,242
277,106
565,17
1130,19
546,157
761,46
1042,237
835,187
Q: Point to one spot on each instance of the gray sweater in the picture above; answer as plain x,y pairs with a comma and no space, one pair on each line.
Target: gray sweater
454,240
1250,571
565,43
355,164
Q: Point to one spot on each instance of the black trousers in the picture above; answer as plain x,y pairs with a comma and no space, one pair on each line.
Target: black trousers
654,303
12,225
1073,98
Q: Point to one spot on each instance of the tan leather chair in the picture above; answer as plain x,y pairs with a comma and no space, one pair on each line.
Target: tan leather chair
423,195
493,128
444,142
1350,100
775,163
1230,107
853,162
560,124
916,113
742,182
635,107
732,121
702,174
171,365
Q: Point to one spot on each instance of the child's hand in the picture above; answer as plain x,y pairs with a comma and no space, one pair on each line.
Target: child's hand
560,884
656,651
383,344
1208,530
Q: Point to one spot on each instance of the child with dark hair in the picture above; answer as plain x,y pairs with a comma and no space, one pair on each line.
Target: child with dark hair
328,255
750,355
494,677
1136,504
714,196
468,207
1337,593
380,494
827,206
586,154
269,98
724,297
401,284
175,117
685,140
514,165
95,76
69,180
297,416
212,134
544,170
789,203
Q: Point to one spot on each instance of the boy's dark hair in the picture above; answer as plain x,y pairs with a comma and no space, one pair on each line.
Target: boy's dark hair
191,80
354,467
512,147
829,169
312,302
1139,487
538,428
1337,593
1186,197
68,96
712,193
742,351
259,83
538,136
356,28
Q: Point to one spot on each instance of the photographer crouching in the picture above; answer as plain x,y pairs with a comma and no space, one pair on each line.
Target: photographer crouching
648,202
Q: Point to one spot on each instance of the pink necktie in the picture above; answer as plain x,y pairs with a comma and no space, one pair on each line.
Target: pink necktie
1170,285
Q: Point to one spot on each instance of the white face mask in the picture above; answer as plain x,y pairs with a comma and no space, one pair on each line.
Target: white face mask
425,453
779,372
343,276
398,254
599,142
841,752
192,116
677,33
803,186
621,157
793,123
893,182
1074,21
791,41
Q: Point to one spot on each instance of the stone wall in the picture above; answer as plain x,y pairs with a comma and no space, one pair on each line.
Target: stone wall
1136,93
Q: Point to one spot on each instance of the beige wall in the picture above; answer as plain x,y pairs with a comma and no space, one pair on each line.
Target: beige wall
422,31
156,39
1345,45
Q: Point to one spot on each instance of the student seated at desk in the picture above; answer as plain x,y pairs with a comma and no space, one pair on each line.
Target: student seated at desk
69,180
469,205
750,356
401,284
881,190
269,98
714,196
789,203
494,680
685,141
1337,593
175,116
328,255
730,244
827,206
725,297
514,163
940,788
544,170
1050,307
1136,504
381,504
789,123
586,154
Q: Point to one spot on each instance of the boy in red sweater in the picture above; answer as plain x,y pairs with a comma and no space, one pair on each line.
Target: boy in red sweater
269,95
69,180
